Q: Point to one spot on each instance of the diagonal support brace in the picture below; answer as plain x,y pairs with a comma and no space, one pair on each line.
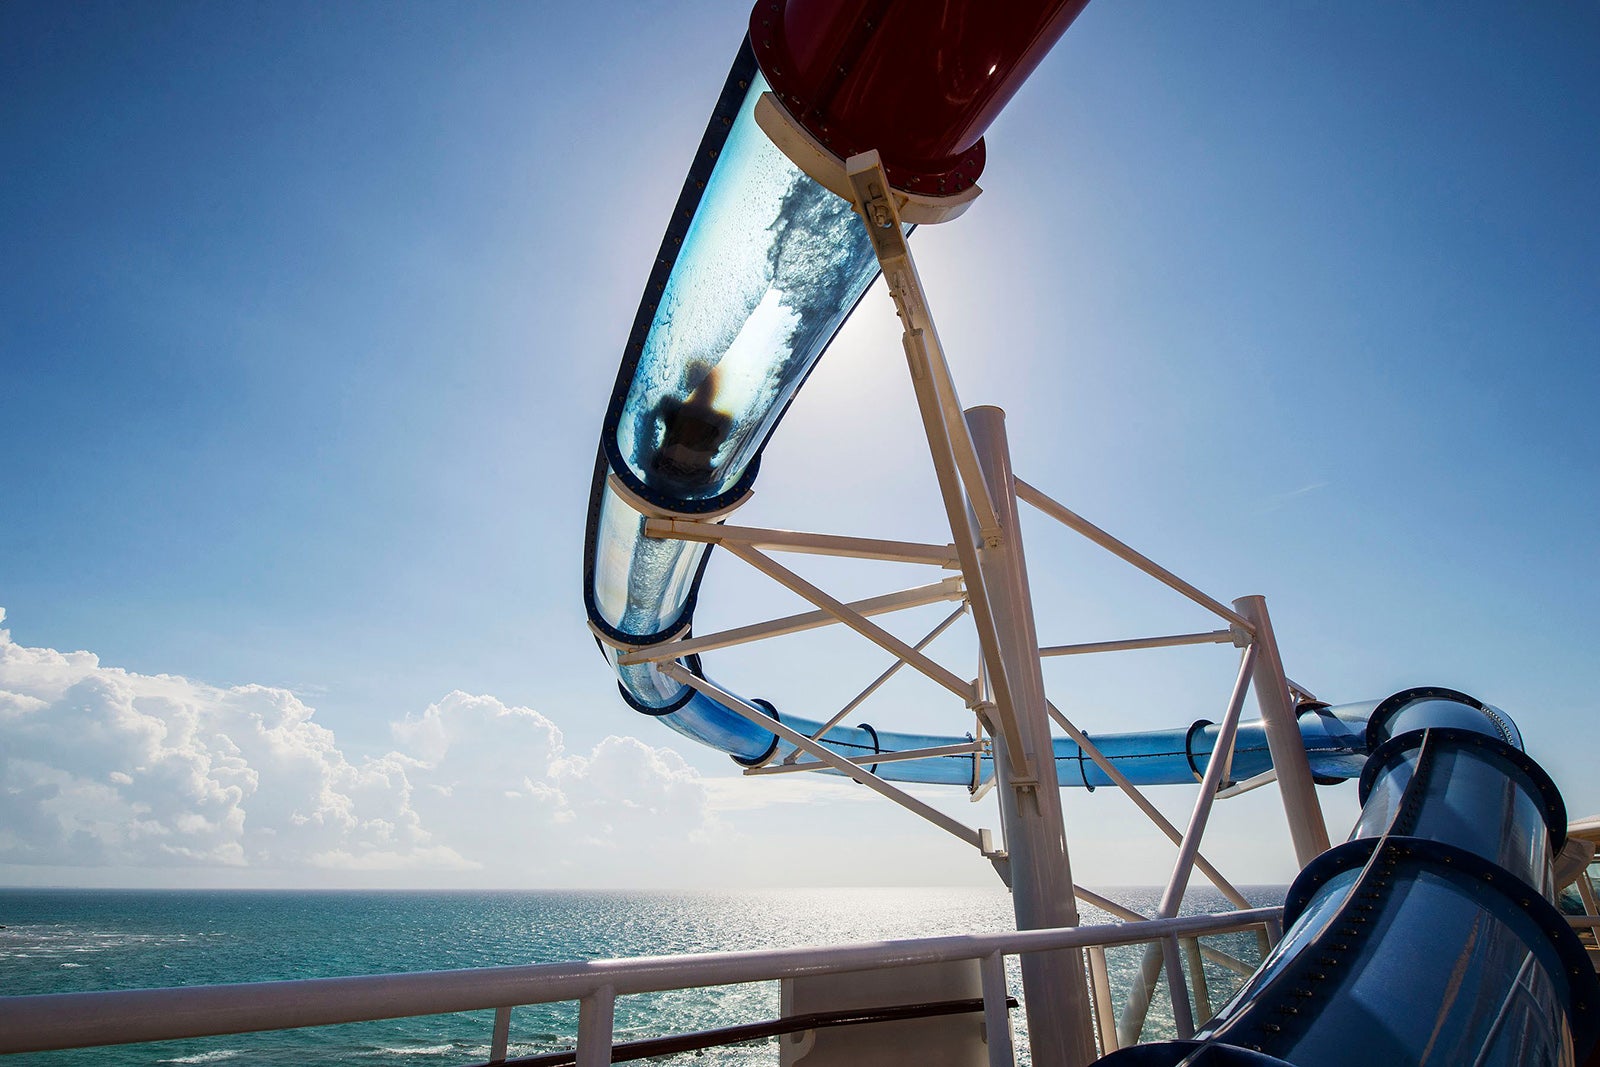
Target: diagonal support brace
976,838
857,622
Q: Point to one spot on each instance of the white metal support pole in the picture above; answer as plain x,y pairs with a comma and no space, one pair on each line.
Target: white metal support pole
1163,824
1065,515
1306,826
1167,953
1177,989
961,483
1172,900
1060,1017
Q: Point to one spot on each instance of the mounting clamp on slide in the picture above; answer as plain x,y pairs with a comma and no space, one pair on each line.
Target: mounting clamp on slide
828,170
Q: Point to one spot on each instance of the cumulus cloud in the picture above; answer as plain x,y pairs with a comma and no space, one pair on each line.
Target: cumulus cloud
101,767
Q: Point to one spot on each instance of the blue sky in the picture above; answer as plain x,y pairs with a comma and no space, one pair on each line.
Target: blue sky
309,314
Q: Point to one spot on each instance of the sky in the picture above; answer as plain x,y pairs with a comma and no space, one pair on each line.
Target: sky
309,314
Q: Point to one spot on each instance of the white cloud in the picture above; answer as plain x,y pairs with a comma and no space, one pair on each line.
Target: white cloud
104,768
805,789
109,777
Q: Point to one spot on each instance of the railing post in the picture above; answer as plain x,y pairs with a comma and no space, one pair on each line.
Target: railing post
1197,977
996,1016
501,1040
1060,1023
596,1019
1306,826
1105,1011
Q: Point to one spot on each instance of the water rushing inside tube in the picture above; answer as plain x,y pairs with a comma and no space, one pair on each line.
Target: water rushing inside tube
640,583
771,266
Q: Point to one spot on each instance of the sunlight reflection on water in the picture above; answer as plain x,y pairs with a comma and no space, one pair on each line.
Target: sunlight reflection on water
136,939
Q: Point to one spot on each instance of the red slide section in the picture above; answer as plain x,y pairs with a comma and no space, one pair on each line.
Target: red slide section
919,80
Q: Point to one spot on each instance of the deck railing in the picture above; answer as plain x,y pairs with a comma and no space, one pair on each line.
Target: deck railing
80,1020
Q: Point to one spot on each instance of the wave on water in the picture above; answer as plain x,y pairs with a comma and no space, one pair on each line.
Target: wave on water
206,1057
414,1050
45,941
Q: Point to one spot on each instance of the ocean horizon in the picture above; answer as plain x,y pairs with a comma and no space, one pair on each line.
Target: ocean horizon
69,940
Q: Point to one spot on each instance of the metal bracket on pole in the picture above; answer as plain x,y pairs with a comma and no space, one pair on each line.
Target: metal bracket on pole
828,170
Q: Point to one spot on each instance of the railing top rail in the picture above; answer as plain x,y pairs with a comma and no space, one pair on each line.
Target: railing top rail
78,1020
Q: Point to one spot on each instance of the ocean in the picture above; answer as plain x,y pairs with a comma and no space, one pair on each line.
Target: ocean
63,940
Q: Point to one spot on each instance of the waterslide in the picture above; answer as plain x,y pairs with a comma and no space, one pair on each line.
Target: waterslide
1428,937
759,269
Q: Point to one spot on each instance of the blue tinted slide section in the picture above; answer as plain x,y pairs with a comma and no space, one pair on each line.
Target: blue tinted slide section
759,268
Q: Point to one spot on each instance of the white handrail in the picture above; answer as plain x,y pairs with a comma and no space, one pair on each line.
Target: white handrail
80,1020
